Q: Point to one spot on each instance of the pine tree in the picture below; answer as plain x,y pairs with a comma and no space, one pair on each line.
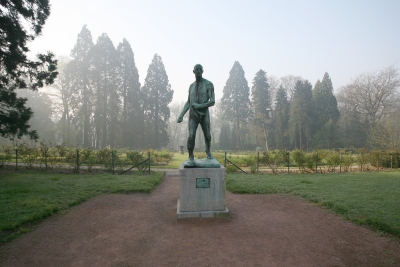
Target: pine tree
14,116
261,102
281,117
132,125
301,114
325,111
81,79
104,62
158,94
235,100
21,22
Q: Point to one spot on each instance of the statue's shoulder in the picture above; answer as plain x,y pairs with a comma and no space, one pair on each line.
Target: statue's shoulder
208,83
192,85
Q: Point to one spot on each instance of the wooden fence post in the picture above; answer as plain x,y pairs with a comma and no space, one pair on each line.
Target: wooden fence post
391,161
112,160
45,157
288,161
377,163
225,160
77,160
149,162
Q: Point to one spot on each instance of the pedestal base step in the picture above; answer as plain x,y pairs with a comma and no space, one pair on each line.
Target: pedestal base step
201,214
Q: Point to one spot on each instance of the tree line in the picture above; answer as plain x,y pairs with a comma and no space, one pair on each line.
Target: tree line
291,113
302,119
102,102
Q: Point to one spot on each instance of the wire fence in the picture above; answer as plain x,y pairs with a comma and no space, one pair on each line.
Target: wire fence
319,161
48,157
63,157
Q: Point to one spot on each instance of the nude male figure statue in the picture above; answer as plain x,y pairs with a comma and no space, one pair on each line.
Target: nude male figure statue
201,97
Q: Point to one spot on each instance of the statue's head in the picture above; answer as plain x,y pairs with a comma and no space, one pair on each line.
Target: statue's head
198,70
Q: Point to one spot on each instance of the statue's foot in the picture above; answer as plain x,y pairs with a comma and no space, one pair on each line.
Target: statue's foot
209,156
191,162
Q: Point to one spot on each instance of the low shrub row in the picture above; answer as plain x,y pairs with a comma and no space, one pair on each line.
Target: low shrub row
329,160
47,155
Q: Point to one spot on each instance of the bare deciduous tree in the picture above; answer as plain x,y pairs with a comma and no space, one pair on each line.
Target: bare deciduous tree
367,105
62,96
372,95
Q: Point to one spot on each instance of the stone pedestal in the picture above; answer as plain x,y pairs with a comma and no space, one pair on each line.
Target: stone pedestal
202,193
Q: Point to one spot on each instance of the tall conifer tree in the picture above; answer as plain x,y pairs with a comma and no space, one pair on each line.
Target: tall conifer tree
158,94
301,114
81,78
325,111
132,125
104,62
261,103
236,99
281,118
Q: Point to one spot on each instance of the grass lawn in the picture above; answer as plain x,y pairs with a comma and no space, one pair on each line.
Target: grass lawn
176,160
367,198
31,196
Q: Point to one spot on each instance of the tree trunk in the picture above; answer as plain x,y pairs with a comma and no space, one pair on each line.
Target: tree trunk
124,134
142,139
86,123
64,133
237,133
300,138
265,134
104,119
97,114
156,129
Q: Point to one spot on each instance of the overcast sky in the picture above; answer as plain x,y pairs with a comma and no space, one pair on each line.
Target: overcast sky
306,38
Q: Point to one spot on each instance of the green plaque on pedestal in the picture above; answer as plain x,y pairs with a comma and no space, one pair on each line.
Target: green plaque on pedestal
202,182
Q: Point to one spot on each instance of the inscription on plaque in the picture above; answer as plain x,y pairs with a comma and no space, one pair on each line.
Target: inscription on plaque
202,182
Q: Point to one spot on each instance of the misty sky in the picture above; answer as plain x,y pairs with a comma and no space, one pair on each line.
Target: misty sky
306,38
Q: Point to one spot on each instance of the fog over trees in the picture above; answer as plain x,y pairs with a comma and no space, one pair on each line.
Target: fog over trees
94,99
364,113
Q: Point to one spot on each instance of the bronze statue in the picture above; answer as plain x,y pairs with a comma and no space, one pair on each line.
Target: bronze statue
201,96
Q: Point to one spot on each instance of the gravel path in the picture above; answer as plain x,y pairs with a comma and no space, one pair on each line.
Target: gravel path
142,230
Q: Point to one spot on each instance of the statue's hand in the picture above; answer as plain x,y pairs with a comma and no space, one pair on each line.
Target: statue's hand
197,106
180,119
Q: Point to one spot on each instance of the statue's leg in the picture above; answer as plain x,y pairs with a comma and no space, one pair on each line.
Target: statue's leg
205,126
193,124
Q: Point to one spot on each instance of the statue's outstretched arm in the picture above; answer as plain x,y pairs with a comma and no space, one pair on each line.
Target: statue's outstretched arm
185,109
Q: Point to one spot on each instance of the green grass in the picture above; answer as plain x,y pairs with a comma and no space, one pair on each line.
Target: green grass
175,161
29,197
371,199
